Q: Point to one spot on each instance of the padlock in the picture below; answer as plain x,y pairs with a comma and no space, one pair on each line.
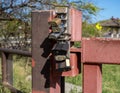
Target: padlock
55,22
60,57
63,65
60,47
54,35
61,10
55,29
62,17
57,34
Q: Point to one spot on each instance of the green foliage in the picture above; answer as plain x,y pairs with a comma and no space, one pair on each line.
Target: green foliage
22,10
77,44
110,81
20,72
89,30
74,90
9,27
77,80
90,8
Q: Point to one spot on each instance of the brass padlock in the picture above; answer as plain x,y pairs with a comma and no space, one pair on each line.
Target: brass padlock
60,57
55,22
55,29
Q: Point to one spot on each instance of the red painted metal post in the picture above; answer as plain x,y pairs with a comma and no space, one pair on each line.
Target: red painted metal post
43,80
40,53
7,68
101,50
55,84
7,72
75,65
92,78
75,24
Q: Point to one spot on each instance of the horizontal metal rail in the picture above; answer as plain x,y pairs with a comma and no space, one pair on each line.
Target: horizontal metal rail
7,67
11,88
15,51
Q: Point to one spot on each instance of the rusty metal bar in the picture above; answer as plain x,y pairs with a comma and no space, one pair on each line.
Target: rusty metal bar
50,82
14,51
40,52
75,24
7,72
63,84
75,63
101,50
75,50
92,78
56,82
11,88
9,69
6,19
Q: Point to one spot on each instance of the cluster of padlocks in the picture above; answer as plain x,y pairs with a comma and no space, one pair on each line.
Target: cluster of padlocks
61,34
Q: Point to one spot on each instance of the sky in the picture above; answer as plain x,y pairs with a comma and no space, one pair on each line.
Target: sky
110,8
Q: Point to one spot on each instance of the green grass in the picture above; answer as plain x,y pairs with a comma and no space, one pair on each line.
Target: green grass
110,79
74,90
20,74
77,80
20,71
110,74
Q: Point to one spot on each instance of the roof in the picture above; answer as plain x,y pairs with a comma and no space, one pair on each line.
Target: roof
111,23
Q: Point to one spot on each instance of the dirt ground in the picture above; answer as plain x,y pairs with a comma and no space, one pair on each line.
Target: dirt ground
71,88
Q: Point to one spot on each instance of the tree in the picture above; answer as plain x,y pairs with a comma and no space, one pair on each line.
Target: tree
21,10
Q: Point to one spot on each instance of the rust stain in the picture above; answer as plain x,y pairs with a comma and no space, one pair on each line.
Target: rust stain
33,63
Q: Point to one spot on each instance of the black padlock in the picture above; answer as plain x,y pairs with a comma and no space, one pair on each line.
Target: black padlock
60,47
63,65
57,34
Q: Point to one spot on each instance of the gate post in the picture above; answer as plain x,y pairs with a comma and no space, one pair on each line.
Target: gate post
53,35
92,78
42,78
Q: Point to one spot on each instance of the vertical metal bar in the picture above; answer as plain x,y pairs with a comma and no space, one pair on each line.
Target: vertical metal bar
4,62
44,79
55,85
7,68
92,78
3,68
62,84
40,52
